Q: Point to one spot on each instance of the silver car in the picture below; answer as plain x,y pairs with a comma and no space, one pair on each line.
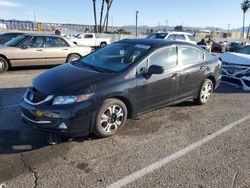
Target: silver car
39,49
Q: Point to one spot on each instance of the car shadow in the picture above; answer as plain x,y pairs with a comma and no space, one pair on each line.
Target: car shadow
229,89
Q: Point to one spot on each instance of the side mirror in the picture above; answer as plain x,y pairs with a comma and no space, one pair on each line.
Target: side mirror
155,69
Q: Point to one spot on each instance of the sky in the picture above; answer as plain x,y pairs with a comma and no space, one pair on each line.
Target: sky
195,13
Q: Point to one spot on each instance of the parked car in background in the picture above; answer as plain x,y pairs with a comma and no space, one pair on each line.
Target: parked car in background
123,80
217,47
39,49
90,39
236,68
233,46
5,37
175,36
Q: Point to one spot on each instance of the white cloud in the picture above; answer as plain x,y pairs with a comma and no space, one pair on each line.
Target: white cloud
7,3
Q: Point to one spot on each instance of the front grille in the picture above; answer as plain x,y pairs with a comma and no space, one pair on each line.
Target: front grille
33,95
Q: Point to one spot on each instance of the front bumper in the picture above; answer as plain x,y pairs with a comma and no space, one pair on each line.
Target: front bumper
69,120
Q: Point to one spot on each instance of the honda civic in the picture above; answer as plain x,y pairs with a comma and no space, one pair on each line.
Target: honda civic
100,91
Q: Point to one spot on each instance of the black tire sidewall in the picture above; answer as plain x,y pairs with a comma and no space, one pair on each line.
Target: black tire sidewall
103,44
6,65
107,103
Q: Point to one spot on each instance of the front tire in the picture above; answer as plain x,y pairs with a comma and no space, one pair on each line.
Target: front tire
103,44
4,66
205,92
111,116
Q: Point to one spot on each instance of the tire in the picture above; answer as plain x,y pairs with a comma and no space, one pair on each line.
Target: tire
4,65
103,44
205,92
111,116
72,57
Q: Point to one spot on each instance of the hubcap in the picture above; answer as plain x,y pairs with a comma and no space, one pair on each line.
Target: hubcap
206,92
1,65
112,118
74,59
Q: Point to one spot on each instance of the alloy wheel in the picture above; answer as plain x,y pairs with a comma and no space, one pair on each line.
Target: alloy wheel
206,92
112,118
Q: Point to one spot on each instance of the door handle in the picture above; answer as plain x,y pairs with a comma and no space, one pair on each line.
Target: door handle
203,67
39,50
65,49
175,75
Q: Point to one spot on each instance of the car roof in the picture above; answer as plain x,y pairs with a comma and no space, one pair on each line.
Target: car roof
155,43
173,32
42,35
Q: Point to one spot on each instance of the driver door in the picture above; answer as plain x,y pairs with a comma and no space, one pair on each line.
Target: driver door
159,89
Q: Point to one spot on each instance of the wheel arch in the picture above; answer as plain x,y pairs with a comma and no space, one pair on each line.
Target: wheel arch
8,61
212,78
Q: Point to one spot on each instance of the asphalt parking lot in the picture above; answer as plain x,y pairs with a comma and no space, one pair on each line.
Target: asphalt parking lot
179,146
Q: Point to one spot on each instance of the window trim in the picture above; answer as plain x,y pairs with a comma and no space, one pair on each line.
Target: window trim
191,63
31,38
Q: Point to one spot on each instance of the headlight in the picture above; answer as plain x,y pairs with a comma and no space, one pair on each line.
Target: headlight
60,100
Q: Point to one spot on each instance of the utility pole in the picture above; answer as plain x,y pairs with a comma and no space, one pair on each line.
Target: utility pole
228,30
136,24
34,27
166,24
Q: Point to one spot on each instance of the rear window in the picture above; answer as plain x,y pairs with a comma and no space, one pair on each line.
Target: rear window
157,36
191,37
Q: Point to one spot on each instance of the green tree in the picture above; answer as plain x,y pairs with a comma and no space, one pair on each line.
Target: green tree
244,7
178,28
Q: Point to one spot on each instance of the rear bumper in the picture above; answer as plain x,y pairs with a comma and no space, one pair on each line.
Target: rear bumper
69,121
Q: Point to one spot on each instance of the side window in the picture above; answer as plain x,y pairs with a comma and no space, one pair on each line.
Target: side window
180,37
34,42
172,37
88,36
191,38
167,58
55,42
188,55
142,67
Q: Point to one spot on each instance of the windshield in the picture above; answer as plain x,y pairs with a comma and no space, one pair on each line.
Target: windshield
157,36
14,42
115,57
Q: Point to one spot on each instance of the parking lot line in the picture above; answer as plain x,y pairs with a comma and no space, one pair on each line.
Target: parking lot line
148,169
21,75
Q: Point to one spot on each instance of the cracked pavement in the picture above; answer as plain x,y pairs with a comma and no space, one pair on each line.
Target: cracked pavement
27,161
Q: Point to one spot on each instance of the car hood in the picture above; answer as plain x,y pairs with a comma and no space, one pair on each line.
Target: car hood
236,58
68,80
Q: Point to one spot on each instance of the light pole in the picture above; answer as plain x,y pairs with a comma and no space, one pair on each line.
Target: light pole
136,24
228,31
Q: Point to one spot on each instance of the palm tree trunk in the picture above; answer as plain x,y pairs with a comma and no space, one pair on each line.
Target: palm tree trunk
100,26
94,7
243,32
107,16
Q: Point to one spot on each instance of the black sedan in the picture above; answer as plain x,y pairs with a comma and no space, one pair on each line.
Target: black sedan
123,80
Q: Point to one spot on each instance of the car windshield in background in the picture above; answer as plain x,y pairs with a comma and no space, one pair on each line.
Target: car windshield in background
157,36
191,37
244,50
115,57
14,42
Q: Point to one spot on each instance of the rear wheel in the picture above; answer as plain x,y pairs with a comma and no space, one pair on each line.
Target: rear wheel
205,92
4,66
111,116
72,57
103,44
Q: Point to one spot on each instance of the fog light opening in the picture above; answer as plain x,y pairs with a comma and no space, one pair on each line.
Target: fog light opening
63,126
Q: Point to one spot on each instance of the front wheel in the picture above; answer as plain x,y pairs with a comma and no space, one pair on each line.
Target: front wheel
205,92
111,116
103,44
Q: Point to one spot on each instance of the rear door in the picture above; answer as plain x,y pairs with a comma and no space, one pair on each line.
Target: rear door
157,90
30,52
56,50
192,70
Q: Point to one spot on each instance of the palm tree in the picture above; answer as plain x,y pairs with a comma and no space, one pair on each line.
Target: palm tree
94,7
106,20
245,5
100,26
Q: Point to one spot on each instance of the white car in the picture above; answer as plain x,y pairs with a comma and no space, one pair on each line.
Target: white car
89,39
236,68
176,36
